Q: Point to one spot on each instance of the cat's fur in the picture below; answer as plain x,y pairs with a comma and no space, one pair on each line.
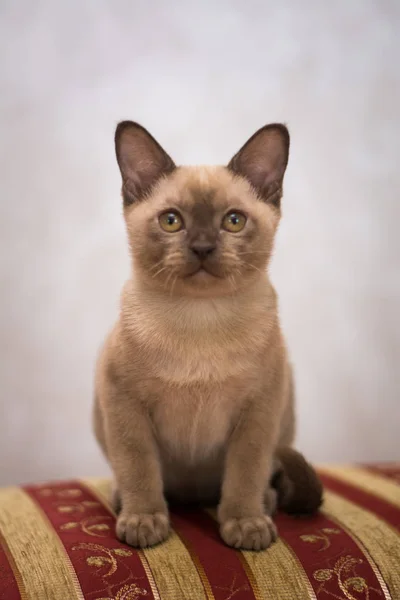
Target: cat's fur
194,394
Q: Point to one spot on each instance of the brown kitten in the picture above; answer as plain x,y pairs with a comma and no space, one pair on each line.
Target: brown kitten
194,395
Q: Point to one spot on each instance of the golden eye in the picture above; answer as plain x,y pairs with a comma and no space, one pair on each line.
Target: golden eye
171,221
234,221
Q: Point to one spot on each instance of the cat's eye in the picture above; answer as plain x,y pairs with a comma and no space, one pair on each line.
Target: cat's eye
234,221
171,221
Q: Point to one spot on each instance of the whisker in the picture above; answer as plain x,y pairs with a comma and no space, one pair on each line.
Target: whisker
254,267
168,279
156,265
252,252
232,282
171,257
159,271
174,255
228,255
173,285
247,264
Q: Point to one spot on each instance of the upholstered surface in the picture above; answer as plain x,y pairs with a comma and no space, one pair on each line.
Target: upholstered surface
57,542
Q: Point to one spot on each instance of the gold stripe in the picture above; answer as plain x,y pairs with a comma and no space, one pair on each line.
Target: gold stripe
279,573
364,551
249,573
177,571
202,574
276,573
149,574
15,570
48,572
379,486
169,567
380,539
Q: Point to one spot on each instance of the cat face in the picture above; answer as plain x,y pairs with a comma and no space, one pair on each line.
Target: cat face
201,231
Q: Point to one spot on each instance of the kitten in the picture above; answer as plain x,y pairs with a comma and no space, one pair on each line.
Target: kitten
194,394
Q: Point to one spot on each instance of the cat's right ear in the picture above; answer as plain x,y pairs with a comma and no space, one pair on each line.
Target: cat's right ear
141,160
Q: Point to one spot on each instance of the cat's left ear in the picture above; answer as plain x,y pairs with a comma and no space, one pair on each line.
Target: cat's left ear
141,160
263,160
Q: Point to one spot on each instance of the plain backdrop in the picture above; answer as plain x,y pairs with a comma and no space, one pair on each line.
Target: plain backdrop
202,76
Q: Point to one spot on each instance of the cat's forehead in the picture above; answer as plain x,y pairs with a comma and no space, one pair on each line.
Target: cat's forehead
204,190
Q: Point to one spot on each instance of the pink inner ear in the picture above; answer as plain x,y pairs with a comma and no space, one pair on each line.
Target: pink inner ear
259,176
141,159
263,159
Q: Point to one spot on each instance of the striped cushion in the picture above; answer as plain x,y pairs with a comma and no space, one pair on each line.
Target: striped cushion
57,542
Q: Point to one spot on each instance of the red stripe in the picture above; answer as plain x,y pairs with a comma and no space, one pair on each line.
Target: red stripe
323,547
222,565
386,511
391,472
8,584
87,530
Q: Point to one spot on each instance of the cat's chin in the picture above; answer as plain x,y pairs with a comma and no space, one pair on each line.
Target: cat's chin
204,284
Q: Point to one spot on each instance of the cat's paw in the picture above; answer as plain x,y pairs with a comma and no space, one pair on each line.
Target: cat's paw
250,533
142,530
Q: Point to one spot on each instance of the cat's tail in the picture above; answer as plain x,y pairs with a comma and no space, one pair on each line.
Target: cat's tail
298,486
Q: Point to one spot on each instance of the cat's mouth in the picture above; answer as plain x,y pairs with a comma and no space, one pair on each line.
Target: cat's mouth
201,272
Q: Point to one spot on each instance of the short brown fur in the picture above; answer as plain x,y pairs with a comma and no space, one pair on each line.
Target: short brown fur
194,397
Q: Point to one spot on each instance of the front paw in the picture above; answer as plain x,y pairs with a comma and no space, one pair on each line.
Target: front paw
250,533
142,530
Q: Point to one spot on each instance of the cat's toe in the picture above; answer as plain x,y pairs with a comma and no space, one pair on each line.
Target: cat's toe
251,533
142,530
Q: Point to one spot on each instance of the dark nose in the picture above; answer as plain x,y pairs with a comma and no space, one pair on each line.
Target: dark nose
202,249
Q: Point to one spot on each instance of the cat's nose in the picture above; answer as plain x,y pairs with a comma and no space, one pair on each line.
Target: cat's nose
202,249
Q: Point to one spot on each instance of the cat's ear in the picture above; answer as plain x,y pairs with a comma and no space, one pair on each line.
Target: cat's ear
263,160
141,160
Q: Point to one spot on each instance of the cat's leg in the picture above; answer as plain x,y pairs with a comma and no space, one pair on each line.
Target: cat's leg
98,426
143,518
242,515
115,499
270,501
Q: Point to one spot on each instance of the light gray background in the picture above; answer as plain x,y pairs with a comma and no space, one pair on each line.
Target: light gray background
202,78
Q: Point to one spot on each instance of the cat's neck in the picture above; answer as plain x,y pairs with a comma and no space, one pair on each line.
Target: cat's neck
154,310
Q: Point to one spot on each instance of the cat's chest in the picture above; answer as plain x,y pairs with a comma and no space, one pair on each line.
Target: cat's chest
193,423
201,363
